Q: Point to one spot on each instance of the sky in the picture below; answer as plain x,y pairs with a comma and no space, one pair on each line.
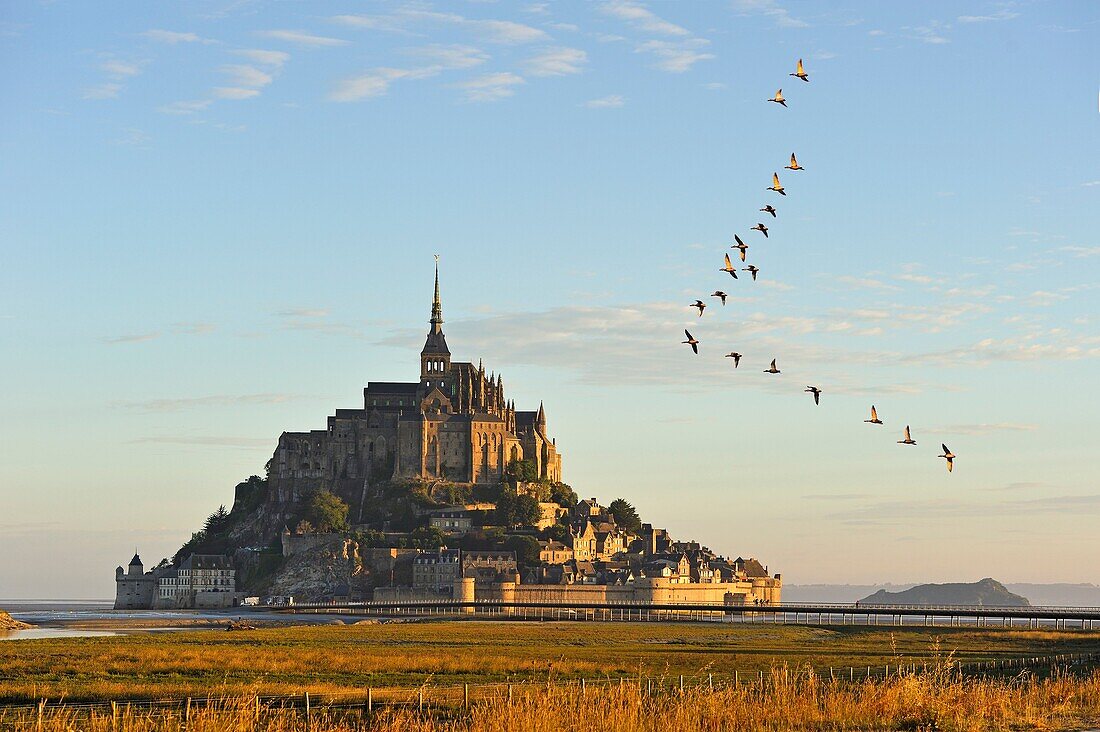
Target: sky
218,221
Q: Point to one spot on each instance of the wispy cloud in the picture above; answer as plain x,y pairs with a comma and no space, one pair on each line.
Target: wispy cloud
185,107
638,16
376,82
131,338
504,32
1002,14
109,90
446,57
611,101
982,428
1082,251
556,62
866,283
251,443
173,37
216,400
264,57
491,87
933,33
301,38
133,137
303,313
117,72
771,9
193,328
120,69
676,56
235,92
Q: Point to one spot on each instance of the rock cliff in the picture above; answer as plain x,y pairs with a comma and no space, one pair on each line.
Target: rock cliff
7,622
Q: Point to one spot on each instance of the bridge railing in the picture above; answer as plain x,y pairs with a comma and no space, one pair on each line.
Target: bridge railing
799,607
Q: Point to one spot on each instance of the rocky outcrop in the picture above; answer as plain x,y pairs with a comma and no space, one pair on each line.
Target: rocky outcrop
7,622
329,569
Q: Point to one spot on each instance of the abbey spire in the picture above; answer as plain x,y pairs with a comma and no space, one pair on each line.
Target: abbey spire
437,307
435,358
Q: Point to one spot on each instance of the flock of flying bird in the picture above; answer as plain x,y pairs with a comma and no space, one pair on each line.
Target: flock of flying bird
731,269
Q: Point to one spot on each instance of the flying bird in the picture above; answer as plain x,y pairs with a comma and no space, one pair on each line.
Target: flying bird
773,369
816,392
874,417
908,440
769,209
949,456
691,341
752,269
729,267
719,293
699,304
778,98
794,164
762,229
740,245
736,358
775,185
800,72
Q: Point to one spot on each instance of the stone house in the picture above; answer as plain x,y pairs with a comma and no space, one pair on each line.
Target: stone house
554,552
452,521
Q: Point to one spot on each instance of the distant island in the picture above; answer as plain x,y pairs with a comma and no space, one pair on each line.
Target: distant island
988,592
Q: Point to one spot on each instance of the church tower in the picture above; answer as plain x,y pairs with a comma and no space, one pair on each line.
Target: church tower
435,358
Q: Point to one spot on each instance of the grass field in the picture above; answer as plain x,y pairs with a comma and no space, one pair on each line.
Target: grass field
929,701
335,658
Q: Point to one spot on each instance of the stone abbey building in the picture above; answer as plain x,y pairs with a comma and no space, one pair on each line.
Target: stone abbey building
454,423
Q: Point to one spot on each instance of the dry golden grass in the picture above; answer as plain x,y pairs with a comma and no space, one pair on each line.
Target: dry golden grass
934,700
333,659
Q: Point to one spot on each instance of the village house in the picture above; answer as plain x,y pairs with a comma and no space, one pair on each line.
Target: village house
437,571
554,552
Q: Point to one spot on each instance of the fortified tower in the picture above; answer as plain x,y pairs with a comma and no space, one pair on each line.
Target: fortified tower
134,588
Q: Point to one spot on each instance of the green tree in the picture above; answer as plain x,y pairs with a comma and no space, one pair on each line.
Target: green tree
557,532
326,511
625,515
521,471
427,537
563,495
217,522
526,549
517,510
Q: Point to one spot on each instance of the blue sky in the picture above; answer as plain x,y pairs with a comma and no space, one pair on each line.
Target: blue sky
219,221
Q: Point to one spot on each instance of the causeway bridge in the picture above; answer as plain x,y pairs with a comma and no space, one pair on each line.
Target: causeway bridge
802,613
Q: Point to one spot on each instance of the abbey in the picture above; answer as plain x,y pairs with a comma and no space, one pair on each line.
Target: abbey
453,424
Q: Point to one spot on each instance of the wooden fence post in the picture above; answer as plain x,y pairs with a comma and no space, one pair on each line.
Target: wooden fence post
41,711
465,696
114,716
187,711
309,714
370,700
